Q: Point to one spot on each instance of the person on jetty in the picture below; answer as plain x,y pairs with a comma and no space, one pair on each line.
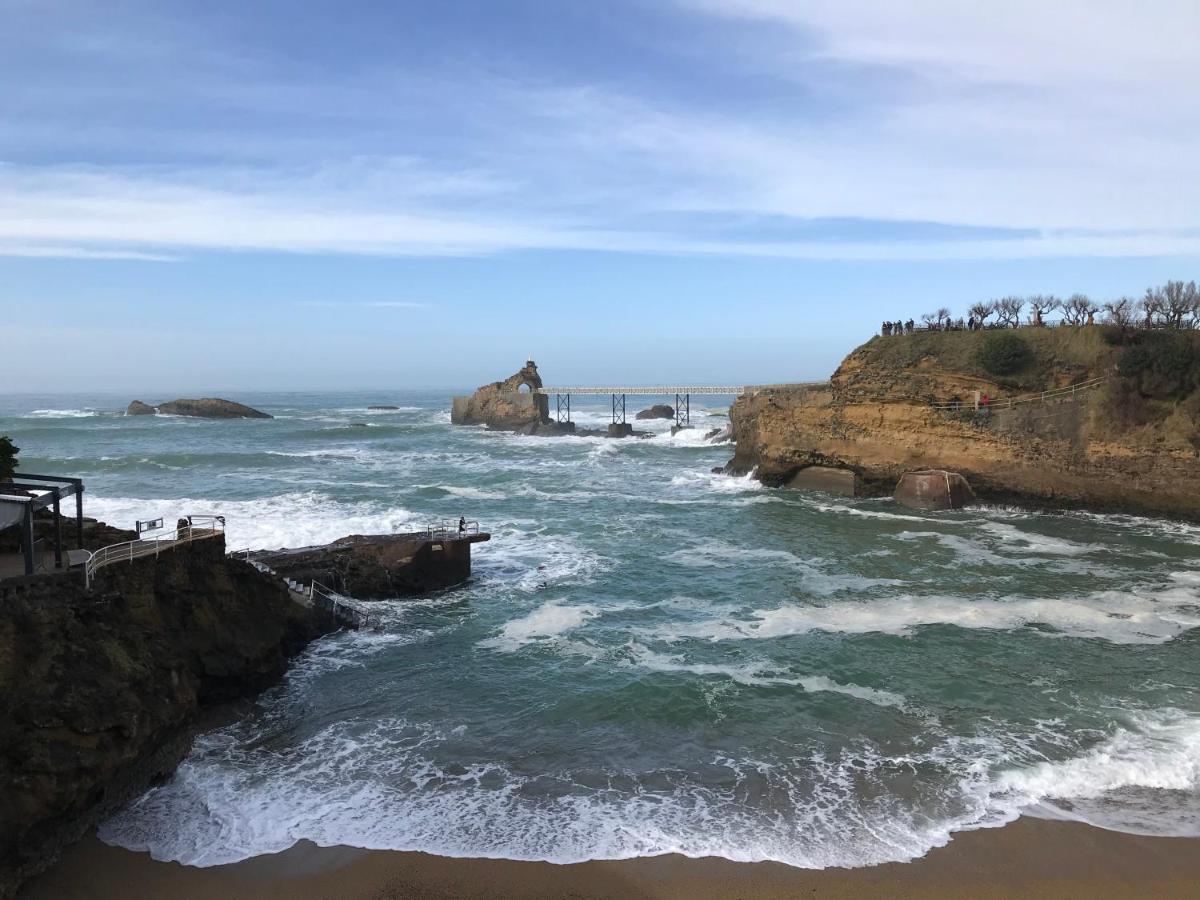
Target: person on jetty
462,524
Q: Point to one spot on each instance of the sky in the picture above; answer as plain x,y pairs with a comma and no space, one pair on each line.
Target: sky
277,195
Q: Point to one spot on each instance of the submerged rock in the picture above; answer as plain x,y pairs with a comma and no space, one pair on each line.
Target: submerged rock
204,408
383,407
657,411
933,489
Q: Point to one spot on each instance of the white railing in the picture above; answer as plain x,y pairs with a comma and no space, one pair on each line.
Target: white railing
449,529
198,528
666,390
1065,393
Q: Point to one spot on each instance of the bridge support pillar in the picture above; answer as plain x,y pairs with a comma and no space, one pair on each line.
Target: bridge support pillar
618,409
683,411
562,408
620,430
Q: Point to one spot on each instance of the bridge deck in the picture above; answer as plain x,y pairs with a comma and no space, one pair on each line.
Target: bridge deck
664,390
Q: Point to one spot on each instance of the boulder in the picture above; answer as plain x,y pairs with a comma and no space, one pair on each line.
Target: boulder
205,408
719,435
829,479
933,489
657,411
511,405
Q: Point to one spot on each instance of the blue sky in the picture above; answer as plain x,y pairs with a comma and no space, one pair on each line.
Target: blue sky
273,195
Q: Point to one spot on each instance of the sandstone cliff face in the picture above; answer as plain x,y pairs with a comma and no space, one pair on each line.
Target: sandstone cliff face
1106,448
99,690
503,404
205,408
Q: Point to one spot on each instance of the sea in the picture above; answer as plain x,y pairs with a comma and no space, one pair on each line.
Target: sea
652,658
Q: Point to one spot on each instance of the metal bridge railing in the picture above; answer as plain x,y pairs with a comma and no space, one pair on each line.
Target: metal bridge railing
198,528
344,610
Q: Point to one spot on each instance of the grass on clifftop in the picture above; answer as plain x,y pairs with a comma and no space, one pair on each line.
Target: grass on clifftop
1056,357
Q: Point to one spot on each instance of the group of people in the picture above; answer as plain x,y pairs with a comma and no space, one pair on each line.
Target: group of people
970,324
890,328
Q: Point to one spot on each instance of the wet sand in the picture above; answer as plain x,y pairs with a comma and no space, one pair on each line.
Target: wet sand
1029,859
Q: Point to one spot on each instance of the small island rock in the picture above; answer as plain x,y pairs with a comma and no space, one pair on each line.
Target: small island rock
657,411
205,408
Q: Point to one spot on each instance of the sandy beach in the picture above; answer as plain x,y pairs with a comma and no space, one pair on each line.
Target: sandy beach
1030,858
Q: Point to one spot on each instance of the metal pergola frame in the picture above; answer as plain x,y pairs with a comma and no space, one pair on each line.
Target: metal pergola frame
36,492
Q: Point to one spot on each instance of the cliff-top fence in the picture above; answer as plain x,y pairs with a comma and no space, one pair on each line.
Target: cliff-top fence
197,528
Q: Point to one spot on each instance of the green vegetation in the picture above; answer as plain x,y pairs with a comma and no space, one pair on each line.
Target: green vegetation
1003,353
1162,365
8,458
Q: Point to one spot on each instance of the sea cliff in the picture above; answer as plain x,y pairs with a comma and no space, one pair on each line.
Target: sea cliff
100,689
1118,429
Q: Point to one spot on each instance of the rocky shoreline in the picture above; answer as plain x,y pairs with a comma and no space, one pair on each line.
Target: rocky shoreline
100,690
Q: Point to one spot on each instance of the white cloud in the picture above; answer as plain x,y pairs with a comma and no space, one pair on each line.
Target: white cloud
1074,120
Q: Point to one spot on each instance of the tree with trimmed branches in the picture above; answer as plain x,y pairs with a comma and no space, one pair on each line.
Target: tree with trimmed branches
1121,312
1008,310
1041,305
980,310
1077,308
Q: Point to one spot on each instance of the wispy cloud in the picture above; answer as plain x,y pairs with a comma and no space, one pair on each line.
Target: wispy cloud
1039,119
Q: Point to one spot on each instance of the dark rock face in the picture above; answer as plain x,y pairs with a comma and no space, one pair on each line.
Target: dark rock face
380,566
503,404
205,408
99,690
657,411
719,435
933,489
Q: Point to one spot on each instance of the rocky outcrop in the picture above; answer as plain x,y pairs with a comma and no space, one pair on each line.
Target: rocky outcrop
380,566
383,407
1112,446
100,689
205,408
933,489
510,404
657,411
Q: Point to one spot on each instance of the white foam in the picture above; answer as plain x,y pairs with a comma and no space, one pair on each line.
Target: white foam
548,621
61,414
296,519
1148,615
761,673
815,578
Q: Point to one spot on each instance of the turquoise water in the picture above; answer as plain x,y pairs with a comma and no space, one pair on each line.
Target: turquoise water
653,658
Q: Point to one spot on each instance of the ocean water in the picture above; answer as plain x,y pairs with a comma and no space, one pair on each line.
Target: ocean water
652,658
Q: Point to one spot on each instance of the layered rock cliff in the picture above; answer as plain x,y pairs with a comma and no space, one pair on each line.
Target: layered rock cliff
99,690
510,404
1128,439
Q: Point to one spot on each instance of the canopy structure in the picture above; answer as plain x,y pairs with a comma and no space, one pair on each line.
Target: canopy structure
28,493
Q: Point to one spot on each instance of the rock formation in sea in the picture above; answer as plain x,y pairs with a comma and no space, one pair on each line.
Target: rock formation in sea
205,408
379,566
510,404
657,411
1100,418
100,689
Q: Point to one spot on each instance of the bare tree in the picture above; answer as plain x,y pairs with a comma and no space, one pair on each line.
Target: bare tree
930,318
1121,311
1040,305
1008,310
1178,302
943,314
1152,308
1077,308
979,311
1193,297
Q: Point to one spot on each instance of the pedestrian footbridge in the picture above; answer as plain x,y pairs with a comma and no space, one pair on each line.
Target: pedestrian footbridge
682,393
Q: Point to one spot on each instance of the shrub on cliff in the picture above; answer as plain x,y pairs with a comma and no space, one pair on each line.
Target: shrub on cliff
1161,364
1003,354
8,458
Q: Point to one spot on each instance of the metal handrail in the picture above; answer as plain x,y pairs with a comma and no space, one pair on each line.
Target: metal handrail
128,551
338,606
1042,397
